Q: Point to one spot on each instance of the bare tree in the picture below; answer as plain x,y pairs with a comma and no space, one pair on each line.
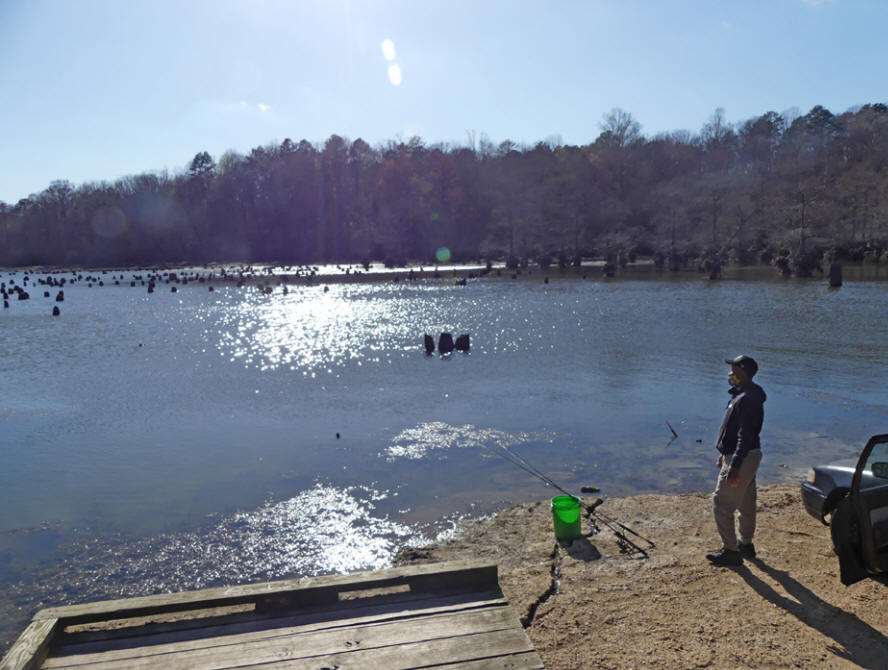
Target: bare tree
716,129
619,128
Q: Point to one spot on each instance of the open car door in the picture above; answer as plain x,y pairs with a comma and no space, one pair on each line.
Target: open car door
860,523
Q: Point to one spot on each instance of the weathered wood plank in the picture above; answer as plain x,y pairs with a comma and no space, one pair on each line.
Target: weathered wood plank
299,642
453,650
509,645
528,660
238,625
30,649
197,614
171,620
452,575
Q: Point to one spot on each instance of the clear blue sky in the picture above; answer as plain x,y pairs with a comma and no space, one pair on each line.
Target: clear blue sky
97,89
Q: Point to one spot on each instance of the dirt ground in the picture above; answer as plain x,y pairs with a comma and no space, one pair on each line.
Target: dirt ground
786,608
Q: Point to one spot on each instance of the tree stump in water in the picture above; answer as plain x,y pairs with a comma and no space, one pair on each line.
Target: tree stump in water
445,343
835,274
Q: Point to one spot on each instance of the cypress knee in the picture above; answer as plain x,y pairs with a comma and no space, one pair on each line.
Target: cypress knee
445,343
835,274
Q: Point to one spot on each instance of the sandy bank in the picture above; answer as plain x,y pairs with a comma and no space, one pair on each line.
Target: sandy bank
787,608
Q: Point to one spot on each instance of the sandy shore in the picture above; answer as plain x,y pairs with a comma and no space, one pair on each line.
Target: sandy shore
787,608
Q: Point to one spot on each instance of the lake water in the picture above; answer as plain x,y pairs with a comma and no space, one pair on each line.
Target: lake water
181,440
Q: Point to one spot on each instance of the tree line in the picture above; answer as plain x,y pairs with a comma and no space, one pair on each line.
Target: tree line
784,187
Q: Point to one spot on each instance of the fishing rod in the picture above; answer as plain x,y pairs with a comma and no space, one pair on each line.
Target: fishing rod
590,509
609,522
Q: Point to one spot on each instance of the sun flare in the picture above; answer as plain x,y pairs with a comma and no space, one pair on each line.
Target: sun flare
394,73
388,50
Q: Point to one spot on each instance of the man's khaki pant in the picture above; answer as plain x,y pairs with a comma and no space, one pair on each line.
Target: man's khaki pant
742,497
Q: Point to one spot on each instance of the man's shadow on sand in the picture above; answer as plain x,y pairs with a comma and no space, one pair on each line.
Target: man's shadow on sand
856,641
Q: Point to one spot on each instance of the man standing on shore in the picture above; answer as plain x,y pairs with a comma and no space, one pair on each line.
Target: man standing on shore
738,461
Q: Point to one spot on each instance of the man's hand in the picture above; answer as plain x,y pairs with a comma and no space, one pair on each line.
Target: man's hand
720,461
733,478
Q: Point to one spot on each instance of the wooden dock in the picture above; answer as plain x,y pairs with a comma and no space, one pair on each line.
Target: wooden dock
449,615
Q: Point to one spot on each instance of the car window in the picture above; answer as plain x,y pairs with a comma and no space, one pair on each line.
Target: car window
875,472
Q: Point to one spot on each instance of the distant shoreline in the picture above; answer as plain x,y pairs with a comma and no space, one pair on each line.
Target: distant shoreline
266,273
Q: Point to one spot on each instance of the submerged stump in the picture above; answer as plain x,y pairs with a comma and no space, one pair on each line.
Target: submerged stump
835,274
445,343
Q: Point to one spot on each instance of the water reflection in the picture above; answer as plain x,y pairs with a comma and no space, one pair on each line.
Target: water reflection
420,441
321,530
312,330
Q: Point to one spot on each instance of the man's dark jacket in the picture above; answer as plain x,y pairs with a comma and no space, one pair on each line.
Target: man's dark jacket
739,432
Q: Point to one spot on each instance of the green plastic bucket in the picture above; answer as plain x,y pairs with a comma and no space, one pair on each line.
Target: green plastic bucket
566,517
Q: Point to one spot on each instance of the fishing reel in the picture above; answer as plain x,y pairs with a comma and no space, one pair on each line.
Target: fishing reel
626,545
590,507
590,515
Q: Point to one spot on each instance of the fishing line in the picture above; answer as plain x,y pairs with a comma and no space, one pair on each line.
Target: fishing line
525,465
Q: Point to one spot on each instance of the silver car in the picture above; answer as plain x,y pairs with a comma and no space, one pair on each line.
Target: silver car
852,498
828,484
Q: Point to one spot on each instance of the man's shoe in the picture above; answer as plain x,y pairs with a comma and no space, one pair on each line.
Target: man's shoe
725,557
747,550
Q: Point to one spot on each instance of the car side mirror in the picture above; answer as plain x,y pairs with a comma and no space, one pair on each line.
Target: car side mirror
880,470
